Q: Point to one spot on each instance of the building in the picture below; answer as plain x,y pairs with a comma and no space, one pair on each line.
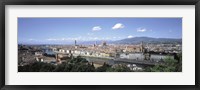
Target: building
49,52
75,43
133,56
38,53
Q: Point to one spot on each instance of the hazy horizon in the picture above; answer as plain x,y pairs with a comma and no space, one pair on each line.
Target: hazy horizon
82,42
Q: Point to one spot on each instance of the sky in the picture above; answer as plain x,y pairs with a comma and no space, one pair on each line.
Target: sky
59,30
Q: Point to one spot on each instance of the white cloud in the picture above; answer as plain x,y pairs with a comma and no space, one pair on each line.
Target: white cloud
96,28
141,30
130,36
31,39
118,26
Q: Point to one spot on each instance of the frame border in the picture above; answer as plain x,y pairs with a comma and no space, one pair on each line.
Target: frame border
3,3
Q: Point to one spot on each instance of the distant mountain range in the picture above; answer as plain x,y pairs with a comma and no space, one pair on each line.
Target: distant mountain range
134,40
138,40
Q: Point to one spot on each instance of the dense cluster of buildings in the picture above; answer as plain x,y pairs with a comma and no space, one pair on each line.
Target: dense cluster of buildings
134,52
59,53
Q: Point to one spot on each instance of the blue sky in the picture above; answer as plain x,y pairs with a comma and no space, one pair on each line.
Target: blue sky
59,30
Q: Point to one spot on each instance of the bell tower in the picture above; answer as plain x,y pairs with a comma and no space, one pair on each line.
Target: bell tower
75,43
142,47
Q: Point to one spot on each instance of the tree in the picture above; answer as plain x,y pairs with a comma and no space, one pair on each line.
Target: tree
78,59
59,67
24,68
47,67
169,65
35,67
77,64
68,67
103,68
179,65
119,68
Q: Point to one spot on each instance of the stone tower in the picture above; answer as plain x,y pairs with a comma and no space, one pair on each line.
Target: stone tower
75,43
142,47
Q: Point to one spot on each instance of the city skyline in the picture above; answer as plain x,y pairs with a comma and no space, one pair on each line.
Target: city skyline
59,30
